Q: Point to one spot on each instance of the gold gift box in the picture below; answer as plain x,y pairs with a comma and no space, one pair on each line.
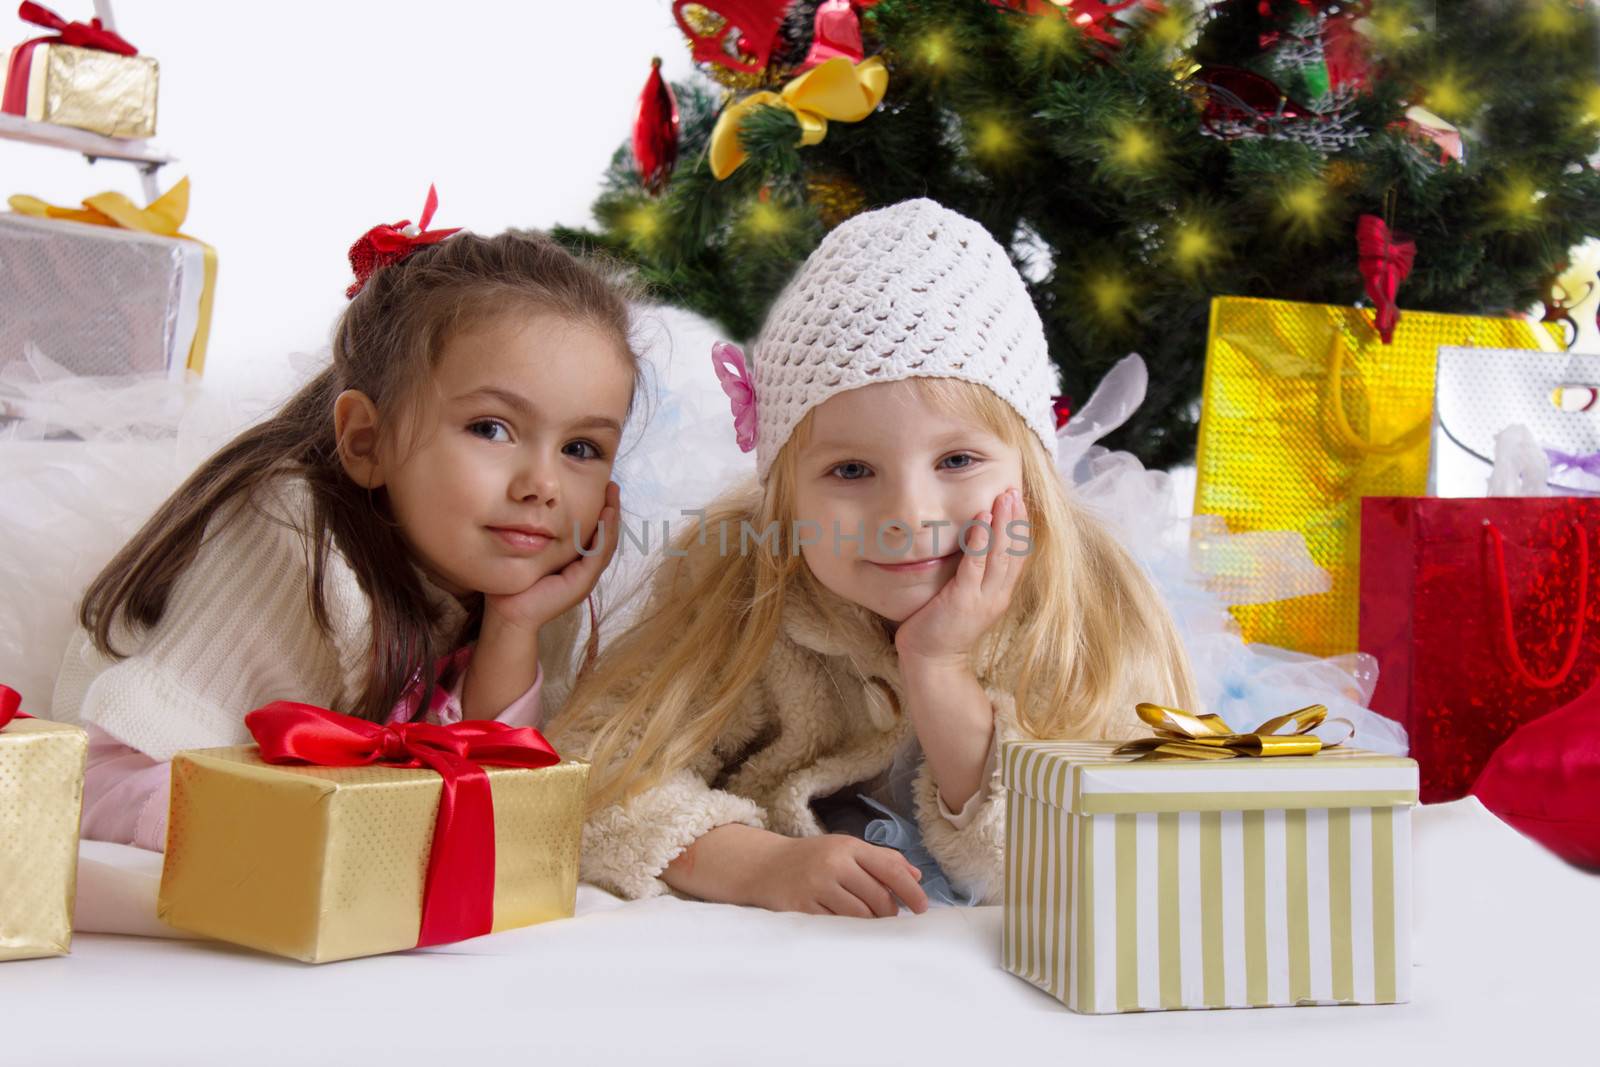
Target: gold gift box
93,90
327,863
41,797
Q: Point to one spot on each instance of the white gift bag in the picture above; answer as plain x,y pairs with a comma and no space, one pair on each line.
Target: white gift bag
1481,393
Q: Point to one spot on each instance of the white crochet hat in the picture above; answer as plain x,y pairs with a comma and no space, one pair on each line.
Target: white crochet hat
909,291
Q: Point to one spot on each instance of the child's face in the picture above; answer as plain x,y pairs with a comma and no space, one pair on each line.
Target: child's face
511,449
882,457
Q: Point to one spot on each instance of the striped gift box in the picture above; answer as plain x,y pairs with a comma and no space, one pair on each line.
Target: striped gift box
1149,885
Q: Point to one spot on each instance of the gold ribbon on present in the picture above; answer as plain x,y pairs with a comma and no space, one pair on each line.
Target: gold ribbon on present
837,90
1184,735
164,218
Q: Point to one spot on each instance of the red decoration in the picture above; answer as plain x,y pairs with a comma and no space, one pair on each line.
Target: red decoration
837,33
89,34
752,26
10,706
1093,18
385,245
458,891
1242,96
655,131
1062,407
1545,780
1481,616
1385,261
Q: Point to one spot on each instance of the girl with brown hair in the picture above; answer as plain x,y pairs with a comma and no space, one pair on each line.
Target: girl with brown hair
411,535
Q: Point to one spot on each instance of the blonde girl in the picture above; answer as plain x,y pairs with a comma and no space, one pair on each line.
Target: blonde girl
908,586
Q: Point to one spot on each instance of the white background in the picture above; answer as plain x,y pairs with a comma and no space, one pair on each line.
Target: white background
302,124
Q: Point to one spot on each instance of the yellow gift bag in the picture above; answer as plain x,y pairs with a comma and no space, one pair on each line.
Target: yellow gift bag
1305,411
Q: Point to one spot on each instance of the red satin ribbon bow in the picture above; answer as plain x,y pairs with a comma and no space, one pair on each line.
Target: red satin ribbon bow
383,245
10,706
1385,262
458,892
80,34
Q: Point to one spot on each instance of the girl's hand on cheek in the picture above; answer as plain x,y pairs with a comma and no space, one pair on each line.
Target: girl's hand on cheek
977,596
556,592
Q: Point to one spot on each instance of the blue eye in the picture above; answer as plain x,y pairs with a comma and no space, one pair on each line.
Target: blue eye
968,456
490,430
858,471
594,451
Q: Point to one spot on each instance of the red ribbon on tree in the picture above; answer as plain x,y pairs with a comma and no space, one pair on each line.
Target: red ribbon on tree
1385,262
655,131
10,706
385,245
458,891
89,34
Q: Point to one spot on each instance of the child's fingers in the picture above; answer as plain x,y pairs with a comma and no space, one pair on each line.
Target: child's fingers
897,875
975,553
865,887
840,901
1000,576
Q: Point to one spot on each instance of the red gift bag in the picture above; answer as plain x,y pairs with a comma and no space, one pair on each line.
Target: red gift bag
1484,614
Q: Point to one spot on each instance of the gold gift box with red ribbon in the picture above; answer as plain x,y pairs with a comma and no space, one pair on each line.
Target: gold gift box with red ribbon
41,797
85,76
323,863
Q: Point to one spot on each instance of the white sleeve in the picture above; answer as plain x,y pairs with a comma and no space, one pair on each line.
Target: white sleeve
237,633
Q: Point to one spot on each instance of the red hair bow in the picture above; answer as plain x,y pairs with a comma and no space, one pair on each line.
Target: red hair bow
383,245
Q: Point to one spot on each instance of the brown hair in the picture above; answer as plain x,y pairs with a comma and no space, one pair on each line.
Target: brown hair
385,344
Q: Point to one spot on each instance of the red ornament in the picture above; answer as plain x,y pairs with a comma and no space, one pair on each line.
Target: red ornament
1385,260
837,33
752,26
383,245
1243,97
1093,18
655,131
1062,406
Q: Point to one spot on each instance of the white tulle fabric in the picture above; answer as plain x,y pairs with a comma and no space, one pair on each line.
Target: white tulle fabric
83,462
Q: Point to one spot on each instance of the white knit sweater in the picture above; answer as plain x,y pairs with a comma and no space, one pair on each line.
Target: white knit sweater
238,632
826,713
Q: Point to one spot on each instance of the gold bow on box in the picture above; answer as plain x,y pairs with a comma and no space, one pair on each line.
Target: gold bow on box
1184,735
164,218
837,90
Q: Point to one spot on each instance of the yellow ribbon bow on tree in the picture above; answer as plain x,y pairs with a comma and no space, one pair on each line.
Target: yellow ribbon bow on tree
164,218
1184,735
837,90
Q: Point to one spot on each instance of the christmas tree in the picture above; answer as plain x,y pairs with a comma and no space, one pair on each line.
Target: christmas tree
1137,158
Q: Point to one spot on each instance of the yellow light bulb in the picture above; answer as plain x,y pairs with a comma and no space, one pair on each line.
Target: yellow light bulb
642,223
1551,19
1451,96
1193,246
1111,295
993,139
1134,149
1589,104
1170,29
937,51
1046,34
763,218
1518,199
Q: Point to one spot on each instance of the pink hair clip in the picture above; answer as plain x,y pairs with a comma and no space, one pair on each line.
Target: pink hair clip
735,379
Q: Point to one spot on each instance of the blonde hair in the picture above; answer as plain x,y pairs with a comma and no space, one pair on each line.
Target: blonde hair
1088,636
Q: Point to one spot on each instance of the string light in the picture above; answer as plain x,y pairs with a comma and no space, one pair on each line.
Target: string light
1304,208
1111,295
1047,37
1194,245
642,224
993,139
1516,198
1451,95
